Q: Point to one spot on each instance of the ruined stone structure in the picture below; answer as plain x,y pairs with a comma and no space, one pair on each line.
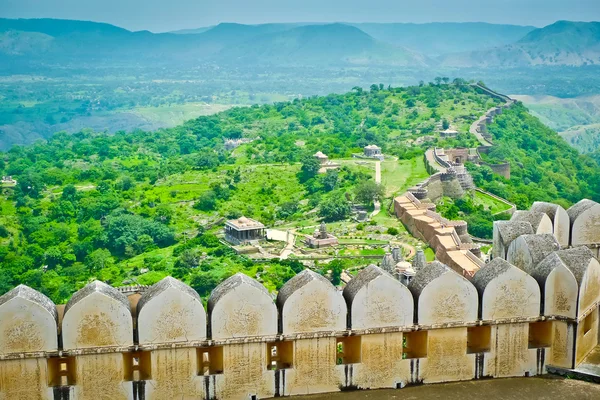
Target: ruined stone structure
378,333
452,183
373,151
457,157
243,230
449,239
231,144
449,133
321,238
325,162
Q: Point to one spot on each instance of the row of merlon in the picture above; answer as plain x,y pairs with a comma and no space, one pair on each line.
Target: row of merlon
97,316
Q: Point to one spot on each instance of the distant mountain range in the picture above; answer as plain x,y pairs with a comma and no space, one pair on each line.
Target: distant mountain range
562,43
435,44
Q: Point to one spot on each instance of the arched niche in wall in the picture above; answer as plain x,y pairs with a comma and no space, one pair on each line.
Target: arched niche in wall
97,316
506,292
28,322
310,303
443,296
241,307
170,311
376,300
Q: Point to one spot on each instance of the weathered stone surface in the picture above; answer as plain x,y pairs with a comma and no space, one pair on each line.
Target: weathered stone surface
175,375
447,358
102,376
560,220
376,300
505,232
309,303
28,322
245,373
381,363
506,292
241,307
315,369
443,296
527,251
97,316
540,221
170,311
559,287
25,379
585,223
510,354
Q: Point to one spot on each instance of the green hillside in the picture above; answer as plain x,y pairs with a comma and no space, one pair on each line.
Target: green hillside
543,165
135,207
110,206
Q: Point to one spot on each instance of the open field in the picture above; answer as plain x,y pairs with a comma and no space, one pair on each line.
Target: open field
399,175
489,203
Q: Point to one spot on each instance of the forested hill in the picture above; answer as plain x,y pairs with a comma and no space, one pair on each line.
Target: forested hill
135,207
544,167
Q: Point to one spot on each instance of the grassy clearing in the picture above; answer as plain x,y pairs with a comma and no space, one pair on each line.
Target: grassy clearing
399,175
490,203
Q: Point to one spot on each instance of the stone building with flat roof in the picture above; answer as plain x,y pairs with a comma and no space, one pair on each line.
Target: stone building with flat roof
243,230
373,151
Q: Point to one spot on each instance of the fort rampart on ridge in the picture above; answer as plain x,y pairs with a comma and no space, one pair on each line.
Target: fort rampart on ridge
535,304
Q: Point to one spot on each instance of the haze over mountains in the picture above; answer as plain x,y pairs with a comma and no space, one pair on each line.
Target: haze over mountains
419,45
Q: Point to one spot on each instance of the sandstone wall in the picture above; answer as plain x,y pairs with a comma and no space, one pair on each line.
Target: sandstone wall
377,334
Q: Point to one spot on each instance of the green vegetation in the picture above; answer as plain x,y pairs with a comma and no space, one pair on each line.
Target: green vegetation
543,166
490,203
478,215
135,207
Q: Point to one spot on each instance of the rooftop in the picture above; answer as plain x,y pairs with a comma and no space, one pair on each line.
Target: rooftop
372,147
244,223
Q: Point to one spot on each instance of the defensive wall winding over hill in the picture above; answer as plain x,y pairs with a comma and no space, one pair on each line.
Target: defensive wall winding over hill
512,318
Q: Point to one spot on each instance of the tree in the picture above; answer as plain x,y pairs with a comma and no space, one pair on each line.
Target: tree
310,167
207,201
99,259
330,180
288,209
445,124
203,283
335,207
367,191
69,193
337,267
189,258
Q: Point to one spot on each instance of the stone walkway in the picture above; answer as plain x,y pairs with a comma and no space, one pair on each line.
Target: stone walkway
377,203
291,240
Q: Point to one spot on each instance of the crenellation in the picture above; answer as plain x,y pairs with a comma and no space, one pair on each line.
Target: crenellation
536,304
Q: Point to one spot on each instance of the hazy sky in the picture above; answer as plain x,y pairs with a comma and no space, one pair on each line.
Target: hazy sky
165,15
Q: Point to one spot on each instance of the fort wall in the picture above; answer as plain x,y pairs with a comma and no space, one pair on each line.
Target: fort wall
502,321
